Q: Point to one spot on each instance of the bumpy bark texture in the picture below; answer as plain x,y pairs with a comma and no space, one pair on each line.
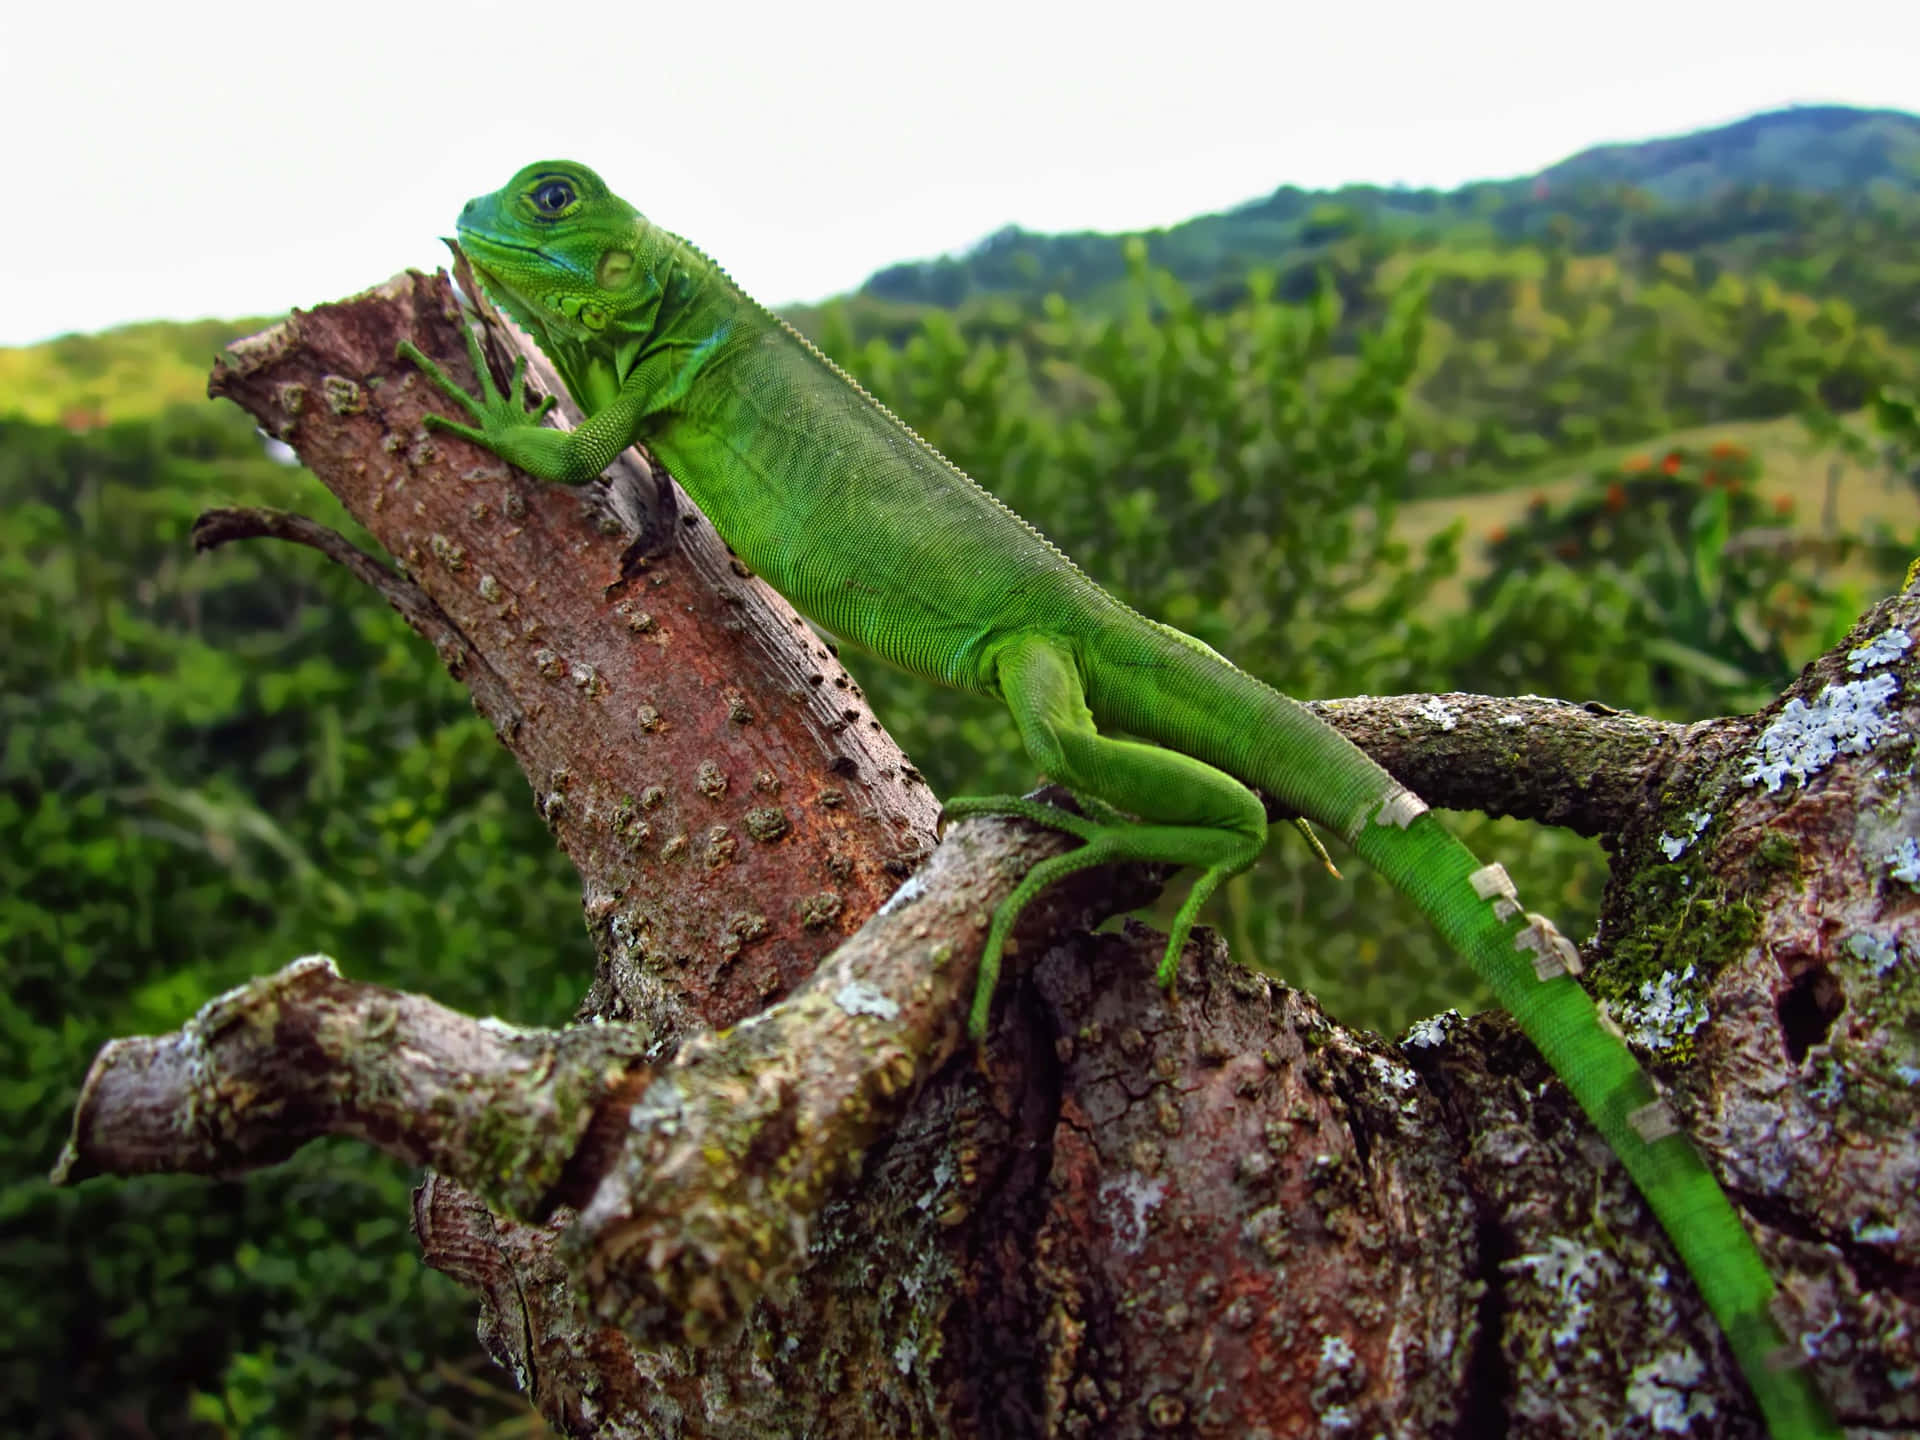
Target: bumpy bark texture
756,1203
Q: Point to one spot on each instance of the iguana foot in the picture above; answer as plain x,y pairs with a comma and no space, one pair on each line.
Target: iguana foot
496,413
1110,839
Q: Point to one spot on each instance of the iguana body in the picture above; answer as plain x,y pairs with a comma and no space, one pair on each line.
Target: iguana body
875,536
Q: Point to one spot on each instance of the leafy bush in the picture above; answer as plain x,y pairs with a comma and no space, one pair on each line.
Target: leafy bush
1668,586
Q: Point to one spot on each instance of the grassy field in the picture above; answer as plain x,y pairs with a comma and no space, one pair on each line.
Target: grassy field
1829,495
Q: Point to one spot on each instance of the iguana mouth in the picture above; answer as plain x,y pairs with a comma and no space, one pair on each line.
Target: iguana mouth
494,242
500,264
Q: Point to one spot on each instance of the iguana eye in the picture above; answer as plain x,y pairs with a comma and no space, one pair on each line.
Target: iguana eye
553,197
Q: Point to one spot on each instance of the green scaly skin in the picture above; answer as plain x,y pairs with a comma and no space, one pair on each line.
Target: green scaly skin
875,536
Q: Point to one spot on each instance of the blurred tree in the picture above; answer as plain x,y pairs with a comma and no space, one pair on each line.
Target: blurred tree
211,766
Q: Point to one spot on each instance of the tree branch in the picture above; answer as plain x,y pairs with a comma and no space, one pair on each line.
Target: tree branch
644,681
1212,1216
1585,768
264,1069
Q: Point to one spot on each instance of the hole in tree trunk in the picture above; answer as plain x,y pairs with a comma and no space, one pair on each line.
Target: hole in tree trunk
1807,1011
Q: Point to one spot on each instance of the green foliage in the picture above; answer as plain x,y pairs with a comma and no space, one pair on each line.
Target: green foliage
210,766
1890,445
1628,292
1896,414
1646,550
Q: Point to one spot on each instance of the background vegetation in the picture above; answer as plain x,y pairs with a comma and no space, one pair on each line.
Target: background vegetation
1640,429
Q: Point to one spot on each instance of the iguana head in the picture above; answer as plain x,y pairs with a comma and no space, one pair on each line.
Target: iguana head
563,255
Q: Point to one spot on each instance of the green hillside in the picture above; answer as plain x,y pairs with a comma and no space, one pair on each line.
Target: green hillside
1759,270
1756,184
1736,274
127,373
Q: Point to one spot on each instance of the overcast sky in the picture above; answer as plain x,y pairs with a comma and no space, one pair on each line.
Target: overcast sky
245,165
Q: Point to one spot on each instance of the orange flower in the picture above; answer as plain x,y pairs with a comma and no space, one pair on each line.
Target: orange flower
1671,465
1727,450
1634,464
1616,496
1783,505
1496,534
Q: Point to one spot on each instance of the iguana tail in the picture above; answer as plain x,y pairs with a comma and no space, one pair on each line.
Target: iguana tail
1528,965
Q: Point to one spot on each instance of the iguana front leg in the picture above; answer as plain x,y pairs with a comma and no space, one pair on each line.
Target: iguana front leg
515,433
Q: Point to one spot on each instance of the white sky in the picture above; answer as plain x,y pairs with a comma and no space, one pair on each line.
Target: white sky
284,155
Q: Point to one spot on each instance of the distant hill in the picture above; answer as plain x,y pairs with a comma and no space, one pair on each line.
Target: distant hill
1828,149
1745,183
1736,274
131,372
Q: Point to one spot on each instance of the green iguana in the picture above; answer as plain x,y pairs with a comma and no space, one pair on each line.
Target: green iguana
877,538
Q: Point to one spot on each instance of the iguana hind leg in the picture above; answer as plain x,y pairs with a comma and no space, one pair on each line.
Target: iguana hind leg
1188,813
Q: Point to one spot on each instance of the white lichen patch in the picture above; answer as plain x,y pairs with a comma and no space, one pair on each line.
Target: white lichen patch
1904,862
1432,1032
662,1109
1674,846
1661,1392
1811,1342
1662,1017
1571,1270
1512,718
1847,719
1335,1353
911,889
1128,1200
904,1356
1388,1073
1875,1232
943,1173
505,1029
1879,956
1338,1419
1829,1086
858,997
1885,648
1439,714
1402,1078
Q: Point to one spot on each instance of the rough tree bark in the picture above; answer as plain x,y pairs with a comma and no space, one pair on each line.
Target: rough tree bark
775,1195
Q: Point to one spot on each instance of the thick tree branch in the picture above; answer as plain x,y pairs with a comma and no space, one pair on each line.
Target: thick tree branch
701,1174
642,678
1585,768
1136,1217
